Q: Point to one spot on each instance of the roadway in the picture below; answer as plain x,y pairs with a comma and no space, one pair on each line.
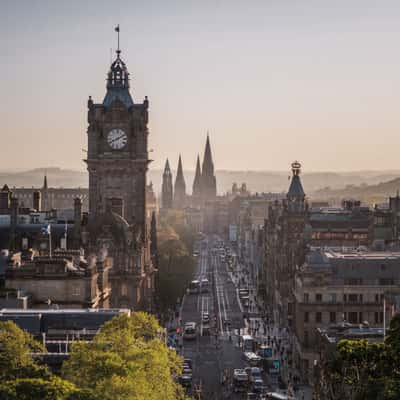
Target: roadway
218,353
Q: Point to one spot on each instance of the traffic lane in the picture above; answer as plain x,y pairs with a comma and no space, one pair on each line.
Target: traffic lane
229,296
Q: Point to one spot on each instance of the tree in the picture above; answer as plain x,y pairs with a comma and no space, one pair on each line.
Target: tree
176,263
126,360
15,356
363,370
40,389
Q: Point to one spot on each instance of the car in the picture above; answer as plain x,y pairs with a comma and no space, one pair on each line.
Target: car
205,318
252,358
188,362
204,285
187,371
240,380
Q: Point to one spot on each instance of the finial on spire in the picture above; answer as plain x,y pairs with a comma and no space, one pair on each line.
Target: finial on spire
118,49
296,168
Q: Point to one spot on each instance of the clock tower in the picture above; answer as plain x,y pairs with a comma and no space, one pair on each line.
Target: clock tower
117,150
117,162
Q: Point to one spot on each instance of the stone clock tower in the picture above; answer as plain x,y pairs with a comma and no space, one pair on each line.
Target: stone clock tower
117,149
117,163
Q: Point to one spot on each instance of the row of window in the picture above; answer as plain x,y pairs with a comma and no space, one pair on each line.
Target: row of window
353,317
53,195
347,297
339,235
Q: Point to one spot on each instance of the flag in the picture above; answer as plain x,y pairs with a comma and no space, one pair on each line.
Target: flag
46,230
117,28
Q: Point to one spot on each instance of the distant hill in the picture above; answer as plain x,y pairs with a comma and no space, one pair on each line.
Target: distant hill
366,193
319,184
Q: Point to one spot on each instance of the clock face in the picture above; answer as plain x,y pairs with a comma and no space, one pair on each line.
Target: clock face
117,139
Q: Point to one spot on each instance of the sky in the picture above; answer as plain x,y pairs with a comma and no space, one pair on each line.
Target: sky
271,80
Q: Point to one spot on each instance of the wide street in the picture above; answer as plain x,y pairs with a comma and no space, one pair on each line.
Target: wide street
218,352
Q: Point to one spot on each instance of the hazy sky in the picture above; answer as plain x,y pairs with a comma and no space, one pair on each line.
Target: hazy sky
272,80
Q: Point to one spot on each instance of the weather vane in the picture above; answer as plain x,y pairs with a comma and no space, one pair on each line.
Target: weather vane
117,30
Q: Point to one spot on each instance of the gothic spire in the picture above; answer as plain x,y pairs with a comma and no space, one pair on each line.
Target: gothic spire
208,165
208,180
167,169
45,182
166,189
197,179
180,187
179,174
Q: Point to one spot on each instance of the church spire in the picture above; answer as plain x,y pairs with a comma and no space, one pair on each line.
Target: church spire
166,189
208,180
180,187
45,187
208,165
197,179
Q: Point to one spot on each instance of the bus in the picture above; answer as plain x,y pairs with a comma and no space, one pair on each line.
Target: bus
190,331
194,287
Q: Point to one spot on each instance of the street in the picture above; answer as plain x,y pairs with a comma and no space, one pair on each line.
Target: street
213,354
215,351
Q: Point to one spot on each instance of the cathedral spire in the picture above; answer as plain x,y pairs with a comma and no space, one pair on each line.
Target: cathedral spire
45,182
196,190
180,187
166,188
208,165
208,180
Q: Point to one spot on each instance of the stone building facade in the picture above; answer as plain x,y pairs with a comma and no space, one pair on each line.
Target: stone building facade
65,279
333,287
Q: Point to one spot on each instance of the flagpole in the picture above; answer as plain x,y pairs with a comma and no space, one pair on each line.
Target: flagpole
50,240
66,233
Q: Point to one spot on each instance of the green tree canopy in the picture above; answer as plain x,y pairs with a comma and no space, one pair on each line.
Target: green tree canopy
41,389
364,370
16,347
126,360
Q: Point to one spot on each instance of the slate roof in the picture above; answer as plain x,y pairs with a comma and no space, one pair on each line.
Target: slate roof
117,93
296,188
